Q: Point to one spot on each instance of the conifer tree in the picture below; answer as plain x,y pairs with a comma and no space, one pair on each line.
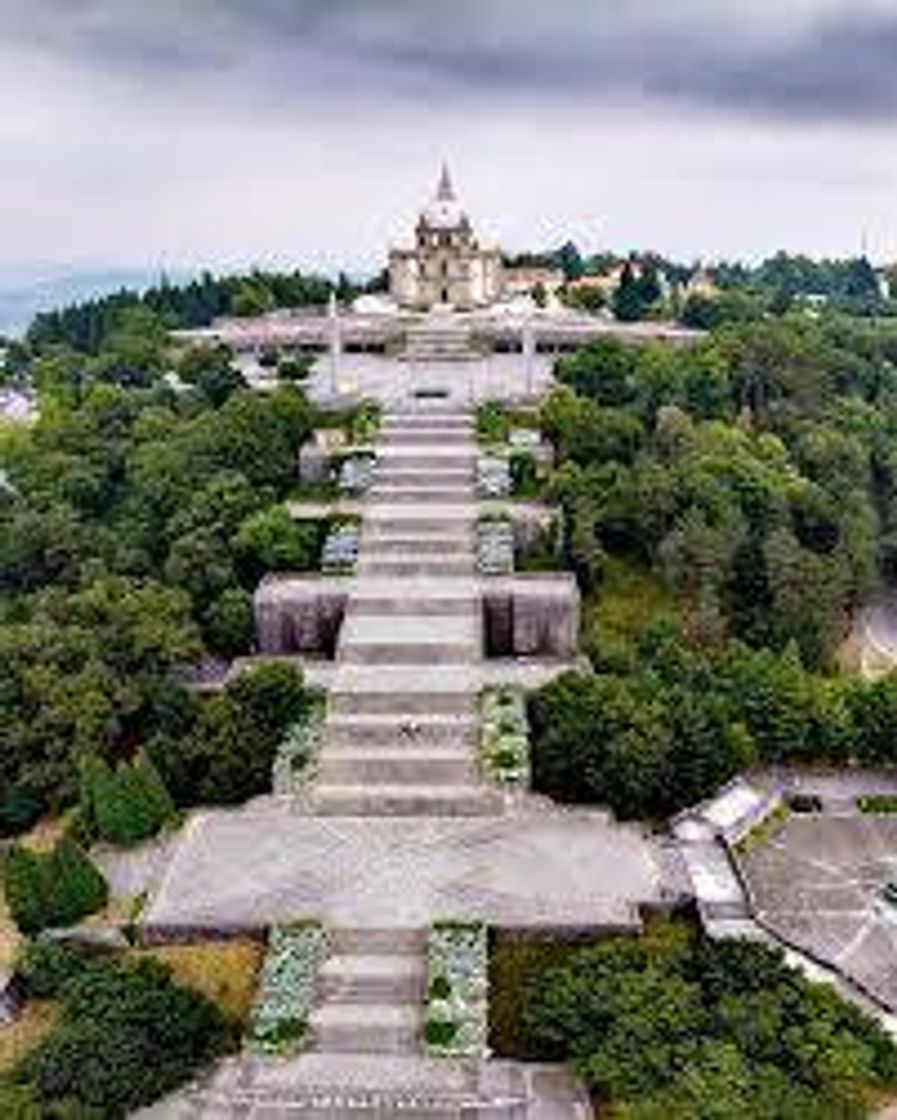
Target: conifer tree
25,887
111,803
75,886
158,800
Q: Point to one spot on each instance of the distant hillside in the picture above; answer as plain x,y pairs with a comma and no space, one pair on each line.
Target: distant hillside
21,299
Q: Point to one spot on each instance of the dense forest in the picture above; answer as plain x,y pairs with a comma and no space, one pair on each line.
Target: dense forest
747,487
87,326
135,522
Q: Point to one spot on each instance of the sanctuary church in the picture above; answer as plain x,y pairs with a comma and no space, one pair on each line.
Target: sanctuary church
447,266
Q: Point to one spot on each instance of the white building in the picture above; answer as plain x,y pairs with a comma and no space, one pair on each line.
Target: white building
447,265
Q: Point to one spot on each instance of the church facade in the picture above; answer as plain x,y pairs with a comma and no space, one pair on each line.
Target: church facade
447,265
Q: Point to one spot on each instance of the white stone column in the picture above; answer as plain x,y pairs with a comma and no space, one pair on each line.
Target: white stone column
529,355
336,343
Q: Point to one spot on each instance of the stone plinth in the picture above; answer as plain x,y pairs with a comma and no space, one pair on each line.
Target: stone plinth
299,615
531,615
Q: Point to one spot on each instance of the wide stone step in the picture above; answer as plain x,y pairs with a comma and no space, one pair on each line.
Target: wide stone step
383,800
402,765
433,413
388,732
416,566
366,628
408,653
379,512
401,475
433,525
428,544
419,436
373,941
414,457
346,1086
433,492
366,1028
352,978
375,702
434,606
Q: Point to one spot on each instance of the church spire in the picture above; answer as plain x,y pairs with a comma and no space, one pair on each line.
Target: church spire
445,192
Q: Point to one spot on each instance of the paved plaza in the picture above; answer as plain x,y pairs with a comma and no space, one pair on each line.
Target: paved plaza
537,866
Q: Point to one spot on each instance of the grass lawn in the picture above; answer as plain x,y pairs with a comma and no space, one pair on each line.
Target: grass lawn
225,971
31,1027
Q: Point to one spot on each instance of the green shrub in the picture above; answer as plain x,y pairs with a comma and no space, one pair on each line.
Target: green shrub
77,888
125,805
26,888
440,987
491,422
17,1102
20,807
878,804
230,623
440,1032
58,889
127,1036
294,368
48,966
524,474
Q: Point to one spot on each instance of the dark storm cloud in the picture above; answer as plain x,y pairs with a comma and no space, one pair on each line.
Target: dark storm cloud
825,59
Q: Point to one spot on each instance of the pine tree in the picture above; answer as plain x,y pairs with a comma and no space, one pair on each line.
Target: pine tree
76,887
25,887
158,799
111,803
627,300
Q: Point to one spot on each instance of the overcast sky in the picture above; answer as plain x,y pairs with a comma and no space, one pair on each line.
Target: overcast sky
181,133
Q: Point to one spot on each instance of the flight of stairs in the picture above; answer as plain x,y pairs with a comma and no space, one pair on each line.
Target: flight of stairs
371,992
438,338
400,734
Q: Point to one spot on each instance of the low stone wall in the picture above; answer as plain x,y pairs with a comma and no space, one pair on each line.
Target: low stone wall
295,614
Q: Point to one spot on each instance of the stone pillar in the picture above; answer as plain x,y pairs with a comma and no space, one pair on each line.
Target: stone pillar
529,355
335,342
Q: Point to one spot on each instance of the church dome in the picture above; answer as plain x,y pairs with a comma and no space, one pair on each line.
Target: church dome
443,214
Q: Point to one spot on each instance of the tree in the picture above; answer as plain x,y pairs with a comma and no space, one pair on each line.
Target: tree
230,623
77,888
57,889
628,301
209,369
127,804
271,541
127,1036
25,888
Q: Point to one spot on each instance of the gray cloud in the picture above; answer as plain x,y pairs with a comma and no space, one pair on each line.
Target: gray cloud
819,59
227,132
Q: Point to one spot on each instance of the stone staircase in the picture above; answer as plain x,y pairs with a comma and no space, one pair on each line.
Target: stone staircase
400,735
439,338
371,993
